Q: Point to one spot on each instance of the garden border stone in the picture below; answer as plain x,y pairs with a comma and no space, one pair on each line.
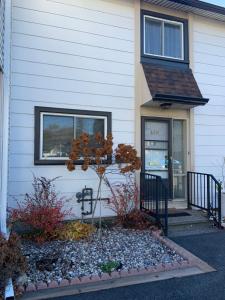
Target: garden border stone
190,266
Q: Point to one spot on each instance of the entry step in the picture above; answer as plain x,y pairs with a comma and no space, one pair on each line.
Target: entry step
177,204
187,216
188,222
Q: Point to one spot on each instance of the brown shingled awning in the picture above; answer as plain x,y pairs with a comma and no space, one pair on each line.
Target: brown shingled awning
173,85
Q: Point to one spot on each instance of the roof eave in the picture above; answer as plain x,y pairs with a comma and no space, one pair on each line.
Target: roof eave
193,6
193,101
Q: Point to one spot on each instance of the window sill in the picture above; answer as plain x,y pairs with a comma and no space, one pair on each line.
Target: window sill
165,61
59,162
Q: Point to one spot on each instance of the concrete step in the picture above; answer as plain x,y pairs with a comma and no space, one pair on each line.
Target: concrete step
195,223
177,204
172,204
193,217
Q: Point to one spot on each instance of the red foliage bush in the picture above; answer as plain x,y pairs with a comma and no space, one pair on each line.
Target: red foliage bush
42,211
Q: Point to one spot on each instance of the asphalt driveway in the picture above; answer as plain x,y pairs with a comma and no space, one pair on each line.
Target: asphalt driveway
209,247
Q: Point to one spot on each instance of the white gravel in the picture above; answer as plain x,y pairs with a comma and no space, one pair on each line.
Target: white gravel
58,259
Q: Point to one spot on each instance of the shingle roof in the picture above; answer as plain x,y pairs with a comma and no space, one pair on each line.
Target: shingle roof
170,83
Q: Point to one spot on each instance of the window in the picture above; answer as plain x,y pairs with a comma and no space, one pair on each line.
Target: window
56,128
163,38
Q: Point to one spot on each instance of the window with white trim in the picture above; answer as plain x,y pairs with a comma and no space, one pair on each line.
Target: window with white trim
55,130
163,38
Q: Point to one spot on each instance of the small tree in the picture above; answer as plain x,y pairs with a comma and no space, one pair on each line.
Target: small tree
98,154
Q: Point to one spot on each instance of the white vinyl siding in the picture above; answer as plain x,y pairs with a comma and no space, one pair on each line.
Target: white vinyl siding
1,128
73,55
2,19
209,71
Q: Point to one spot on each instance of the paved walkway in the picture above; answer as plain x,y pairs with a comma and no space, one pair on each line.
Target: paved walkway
209,247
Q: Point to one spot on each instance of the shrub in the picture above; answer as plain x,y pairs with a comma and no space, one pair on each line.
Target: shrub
124,199
125,203
136,219
74,231
42,211
12,262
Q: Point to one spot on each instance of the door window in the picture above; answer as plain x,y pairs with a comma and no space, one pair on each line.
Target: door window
179,158
156,148
165,154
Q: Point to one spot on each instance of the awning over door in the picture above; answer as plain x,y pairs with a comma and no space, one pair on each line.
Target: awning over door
170,86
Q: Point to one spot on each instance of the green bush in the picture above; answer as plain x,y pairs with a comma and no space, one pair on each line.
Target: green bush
110,266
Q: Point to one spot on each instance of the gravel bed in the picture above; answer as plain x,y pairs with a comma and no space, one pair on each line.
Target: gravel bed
59,259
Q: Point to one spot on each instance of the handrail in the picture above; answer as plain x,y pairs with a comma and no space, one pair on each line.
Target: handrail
154,198
200,173
204,192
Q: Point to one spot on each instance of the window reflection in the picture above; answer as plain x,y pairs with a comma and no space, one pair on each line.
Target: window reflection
57,135
179,159
90,126
156,148
59,131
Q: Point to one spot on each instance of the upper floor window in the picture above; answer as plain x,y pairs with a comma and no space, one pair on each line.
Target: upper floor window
163,38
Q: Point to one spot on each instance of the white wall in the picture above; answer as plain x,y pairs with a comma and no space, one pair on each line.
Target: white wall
209,70
1,132
2,17
1,86
68,54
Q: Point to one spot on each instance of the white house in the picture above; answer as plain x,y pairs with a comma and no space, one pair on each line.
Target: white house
152,72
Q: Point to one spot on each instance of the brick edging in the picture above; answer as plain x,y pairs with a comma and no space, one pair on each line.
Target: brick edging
104,277
190,258
189,261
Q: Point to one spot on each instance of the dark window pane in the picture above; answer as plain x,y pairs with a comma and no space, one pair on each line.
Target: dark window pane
153,37
179,158
179,186
172,40
58,132
178,147
90,126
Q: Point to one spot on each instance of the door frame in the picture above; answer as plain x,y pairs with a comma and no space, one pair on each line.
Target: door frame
169,121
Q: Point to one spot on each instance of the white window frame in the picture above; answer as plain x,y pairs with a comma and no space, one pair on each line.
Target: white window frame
163,22
42,114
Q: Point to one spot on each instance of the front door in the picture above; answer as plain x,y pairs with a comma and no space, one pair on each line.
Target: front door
163,152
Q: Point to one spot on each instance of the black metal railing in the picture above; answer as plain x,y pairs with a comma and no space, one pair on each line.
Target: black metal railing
154,198
204,192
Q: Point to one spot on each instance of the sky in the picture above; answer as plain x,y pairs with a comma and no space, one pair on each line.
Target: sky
217,2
